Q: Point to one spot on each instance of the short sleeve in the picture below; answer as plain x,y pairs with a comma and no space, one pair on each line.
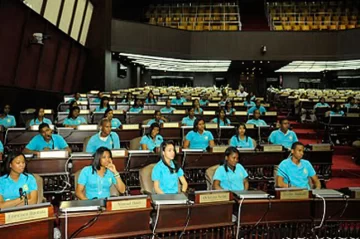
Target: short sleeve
310,169
251,143
143,140
219,174
83,176
282,170
1,187
113,179
90,147
295,137
189,136
32,183
183,121
233,141
32,122
116,140
272,137
180,173
211,137
32,144
156,174
1,147
83,120
62,142
243,171
228,121
214,120
13,121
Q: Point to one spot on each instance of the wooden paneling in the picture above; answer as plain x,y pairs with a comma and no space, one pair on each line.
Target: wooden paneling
64,48
71,68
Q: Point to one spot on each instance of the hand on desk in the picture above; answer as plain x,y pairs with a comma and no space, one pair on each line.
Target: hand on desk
46,149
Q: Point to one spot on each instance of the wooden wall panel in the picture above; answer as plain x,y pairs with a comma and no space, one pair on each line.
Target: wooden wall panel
60,67
71,68
79,71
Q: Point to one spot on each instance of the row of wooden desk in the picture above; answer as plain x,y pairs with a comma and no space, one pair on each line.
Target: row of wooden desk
283,219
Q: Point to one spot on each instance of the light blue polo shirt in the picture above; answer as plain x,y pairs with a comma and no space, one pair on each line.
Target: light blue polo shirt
1,147
298,174
166,110
253,98
112,141
341,113
135,109
261,109
232,110
203,102
168,182
199,141
115,123
247,104
176,101
350,106
231,180
258,122
37,143
154,121
8,121
222,103
73,99
242,143
187,121
150,143
321,105
37,122
150,101
101,110
95,185
200,111
96,100
9,189
222,123
278,137
77,121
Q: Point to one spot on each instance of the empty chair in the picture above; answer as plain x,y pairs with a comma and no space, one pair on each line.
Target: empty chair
209,174
146,184
305,27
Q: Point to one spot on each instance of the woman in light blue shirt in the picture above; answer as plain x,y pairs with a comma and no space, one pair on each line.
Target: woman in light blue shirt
137,106
229,110
39,118
240,139
167,109
197,108
248,102
337,111
221,120
128,98
199,138
74,119
94,181
158,118
231,175
190,119
104,105
322,104
150,99
6,120
167,173
204,100
115,123
152,140
14,178
72,104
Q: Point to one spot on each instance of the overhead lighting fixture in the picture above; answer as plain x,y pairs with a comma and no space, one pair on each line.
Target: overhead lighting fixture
320,66
178,65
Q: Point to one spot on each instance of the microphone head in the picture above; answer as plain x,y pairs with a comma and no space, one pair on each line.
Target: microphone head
20,190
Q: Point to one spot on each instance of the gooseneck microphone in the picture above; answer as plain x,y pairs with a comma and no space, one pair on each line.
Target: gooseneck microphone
23,194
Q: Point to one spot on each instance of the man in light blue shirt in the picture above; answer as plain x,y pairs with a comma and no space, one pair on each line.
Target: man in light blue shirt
7,120
256,119
283,136
46,140
351,103
105,138
258,106
295,171
167,109
178,100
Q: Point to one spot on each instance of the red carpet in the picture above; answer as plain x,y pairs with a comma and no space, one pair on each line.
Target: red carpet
344,166
337,183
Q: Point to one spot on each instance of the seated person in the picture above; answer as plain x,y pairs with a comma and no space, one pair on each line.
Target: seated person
240,139
99,97
257,106
109,114
128,98
248,102
167,109
242,93
336,111
104,105
229,110
221,119
45,141
190,119
295,171
199,138
39,118
231,175
150,99
197,108
204,100
74,119
167,173
6,120
1,150
94,181
178,100
351,103
252,96
152,140
105,138
71,105
322,104
223,101
77,97
158,118
256,119
136,107
14,178
284,135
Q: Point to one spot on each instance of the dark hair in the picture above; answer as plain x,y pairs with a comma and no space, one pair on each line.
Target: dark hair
95,165
294,145
218,116
107,111
230,150
43,125
71,104
322,97
71,111
102,102
194,102
2,111
258,101
152,126
248,98
237,131
282,120
36,113
10,157
227,103
157,111
162,148
350,99
135,103
196,122
335,106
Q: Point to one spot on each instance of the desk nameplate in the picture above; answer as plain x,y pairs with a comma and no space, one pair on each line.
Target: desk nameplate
293,195
25,215
129,204
209,197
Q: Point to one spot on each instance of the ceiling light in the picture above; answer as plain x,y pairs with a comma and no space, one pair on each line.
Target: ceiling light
320,66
